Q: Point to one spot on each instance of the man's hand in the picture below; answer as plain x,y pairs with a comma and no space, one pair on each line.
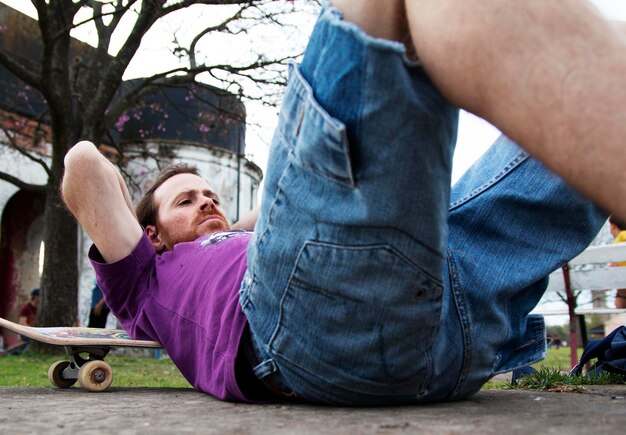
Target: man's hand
248,221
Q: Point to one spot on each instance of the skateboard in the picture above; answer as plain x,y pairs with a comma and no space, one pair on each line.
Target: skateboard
86,348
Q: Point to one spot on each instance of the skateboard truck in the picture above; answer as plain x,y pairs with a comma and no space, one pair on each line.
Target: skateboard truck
91,372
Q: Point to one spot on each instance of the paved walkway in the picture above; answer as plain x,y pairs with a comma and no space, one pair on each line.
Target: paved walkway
600,410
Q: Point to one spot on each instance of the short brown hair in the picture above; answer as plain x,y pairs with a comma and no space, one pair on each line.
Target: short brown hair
147,210
617,222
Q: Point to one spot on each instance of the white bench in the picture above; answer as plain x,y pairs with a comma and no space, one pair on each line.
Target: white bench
589,279
573,279
593,279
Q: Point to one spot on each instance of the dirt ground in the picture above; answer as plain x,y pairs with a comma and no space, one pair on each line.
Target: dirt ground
599,409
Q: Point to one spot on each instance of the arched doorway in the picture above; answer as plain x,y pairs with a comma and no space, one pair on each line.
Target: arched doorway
21,234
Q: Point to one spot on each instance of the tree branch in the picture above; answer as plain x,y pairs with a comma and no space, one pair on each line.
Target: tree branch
110,79
116,14
19,183
186,3
147,87
223,26
169,78
25,153
25,74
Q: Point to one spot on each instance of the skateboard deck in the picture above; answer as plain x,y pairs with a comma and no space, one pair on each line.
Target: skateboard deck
86,347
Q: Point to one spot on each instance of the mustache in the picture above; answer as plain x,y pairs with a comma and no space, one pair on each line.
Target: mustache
203,215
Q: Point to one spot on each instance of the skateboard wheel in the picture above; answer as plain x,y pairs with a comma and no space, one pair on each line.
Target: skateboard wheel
95,376
55,375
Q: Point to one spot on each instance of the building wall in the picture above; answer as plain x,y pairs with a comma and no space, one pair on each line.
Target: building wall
21,231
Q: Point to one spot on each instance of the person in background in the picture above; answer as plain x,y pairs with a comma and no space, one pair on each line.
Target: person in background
618,231
28,312
27,317
99,309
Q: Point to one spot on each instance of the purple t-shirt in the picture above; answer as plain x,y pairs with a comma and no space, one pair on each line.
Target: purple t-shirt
188,300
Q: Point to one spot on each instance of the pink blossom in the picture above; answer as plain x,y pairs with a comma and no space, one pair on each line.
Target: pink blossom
119,125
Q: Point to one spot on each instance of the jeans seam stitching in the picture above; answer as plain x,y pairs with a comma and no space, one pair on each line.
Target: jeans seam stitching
520,158
462,313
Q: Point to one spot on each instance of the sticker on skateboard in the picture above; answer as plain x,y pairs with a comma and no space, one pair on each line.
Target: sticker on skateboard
86,347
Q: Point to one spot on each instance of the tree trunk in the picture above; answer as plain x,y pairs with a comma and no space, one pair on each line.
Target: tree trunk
58,305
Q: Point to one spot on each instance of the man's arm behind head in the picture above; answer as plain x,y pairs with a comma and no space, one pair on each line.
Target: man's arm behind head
95,193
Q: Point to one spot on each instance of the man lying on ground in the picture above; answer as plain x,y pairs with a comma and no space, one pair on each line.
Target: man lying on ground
366,281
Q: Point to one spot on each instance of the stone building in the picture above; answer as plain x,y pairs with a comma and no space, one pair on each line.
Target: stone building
193,123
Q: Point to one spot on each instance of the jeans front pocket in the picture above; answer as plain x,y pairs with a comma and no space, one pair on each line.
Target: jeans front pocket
361,318
320,142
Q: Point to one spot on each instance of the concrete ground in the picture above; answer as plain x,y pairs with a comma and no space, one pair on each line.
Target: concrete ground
27,410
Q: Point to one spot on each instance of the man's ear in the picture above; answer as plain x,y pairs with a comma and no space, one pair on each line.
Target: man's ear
155,238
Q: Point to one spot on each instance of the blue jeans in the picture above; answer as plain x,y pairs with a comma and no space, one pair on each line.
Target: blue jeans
364,287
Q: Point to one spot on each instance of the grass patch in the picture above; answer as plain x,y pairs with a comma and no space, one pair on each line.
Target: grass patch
552,375
551,379
496,385
557,359
31,369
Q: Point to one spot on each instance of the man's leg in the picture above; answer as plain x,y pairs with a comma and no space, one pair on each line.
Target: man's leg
511,223
384,19
344,288
550,74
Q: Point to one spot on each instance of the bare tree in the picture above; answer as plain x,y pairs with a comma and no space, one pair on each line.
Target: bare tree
82,91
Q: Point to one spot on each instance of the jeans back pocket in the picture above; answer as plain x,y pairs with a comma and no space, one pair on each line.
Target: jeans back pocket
361,318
